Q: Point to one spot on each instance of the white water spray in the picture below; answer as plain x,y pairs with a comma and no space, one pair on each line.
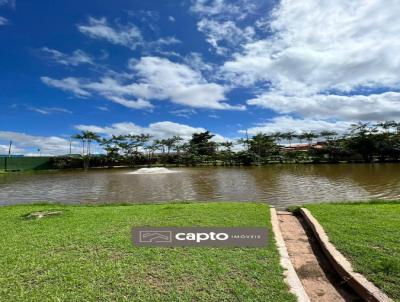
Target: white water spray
153,171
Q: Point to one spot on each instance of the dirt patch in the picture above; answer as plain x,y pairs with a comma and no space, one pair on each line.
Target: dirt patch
42,214
319,279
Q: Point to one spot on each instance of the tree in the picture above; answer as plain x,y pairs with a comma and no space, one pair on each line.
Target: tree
112,148
289,136
262,145
361,140
227,154
277,137
86,137
81,138
309,137
201,145
301,137
90,137
328,135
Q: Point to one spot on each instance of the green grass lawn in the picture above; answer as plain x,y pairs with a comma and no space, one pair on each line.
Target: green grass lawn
368,234
86,254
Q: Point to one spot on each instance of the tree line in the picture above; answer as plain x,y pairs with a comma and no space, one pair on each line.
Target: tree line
363,142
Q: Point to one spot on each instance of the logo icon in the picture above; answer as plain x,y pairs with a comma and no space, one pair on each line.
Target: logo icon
155,236
200,236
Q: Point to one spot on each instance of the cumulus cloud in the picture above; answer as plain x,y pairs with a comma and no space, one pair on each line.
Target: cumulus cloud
299,125
26,144
322,45
219,21
225,33
4,150
181,84
128,35
76,58
158,79
159,130
323,60
98,28
67,84
3,21
384,106
185,112
196,62
223,8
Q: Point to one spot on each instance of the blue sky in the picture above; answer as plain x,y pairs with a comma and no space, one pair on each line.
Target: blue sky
177,67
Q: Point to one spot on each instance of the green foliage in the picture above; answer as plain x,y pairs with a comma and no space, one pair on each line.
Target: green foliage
368,234
86,254
363,142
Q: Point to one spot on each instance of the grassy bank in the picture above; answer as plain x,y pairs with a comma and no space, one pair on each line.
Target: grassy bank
86,254
368,234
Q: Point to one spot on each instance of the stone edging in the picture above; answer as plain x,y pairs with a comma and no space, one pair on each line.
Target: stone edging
358,282
291,278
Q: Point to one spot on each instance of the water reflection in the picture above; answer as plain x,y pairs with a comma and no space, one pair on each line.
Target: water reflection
280,185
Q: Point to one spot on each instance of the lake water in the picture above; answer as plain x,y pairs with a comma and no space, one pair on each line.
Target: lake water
279,185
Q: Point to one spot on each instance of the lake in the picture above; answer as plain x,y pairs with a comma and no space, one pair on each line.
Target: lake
279,185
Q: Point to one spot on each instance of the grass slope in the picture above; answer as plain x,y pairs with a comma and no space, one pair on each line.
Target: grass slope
368,234
86,255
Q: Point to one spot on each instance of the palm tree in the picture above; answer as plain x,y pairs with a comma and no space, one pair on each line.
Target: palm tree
178,146
90,137
328,135
301,137
82,139
289,136
310,136
86,137
277,136
228,150
168,143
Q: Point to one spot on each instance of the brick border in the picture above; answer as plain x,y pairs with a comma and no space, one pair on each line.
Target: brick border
291,278
358,282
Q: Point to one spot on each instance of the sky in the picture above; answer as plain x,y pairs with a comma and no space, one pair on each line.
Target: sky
169,67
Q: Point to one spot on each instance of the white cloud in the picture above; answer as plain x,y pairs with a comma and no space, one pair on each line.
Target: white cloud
158,79
133,104
126,35
374,107
10,3
3,21
179,83
171,18
223,8
225,33
41,110
185,112
196,62
49,145
157,46
219,21
67,84
321,45
49,110
76,58
103,108
320,50
288,123
159,130
129,36
4,149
